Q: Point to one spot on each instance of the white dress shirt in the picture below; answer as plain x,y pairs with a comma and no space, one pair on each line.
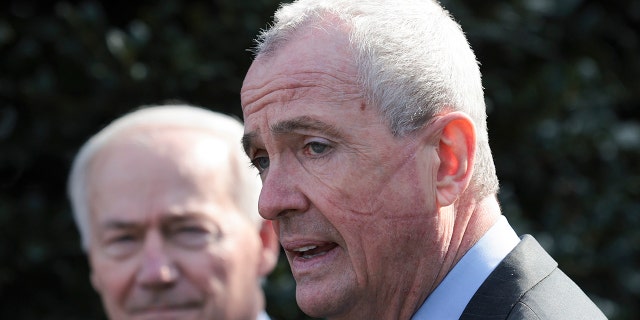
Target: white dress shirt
452,295
263,316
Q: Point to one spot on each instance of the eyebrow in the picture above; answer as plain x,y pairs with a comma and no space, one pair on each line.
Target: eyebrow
248,141
119,225
302,123
115,224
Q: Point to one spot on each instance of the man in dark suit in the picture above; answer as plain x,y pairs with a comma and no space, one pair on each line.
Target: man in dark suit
366,121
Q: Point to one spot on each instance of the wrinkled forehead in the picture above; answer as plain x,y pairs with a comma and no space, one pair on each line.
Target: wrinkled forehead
313,53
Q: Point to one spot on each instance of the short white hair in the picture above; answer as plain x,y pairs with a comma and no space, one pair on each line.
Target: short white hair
247,184
413,60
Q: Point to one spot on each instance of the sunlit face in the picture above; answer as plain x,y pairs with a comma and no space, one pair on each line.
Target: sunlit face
353,205
168,241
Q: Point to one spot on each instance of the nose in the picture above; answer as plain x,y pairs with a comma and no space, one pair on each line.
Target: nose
157,269
281,192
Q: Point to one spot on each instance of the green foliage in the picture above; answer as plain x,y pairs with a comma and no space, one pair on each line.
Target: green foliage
562,88
564,97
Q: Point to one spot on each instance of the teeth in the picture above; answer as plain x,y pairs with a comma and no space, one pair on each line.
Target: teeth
303,249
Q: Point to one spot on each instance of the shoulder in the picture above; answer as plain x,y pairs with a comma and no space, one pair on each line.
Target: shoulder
555,297
527,284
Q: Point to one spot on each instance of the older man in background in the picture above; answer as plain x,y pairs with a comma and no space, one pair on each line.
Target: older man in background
166,206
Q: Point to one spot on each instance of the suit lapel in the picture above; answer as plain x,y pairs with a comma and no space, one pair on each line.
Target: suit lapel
525,266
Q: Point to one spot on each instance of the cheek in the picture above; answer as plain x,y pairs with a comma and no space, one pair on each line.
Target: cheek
400,190
220,267
113,281
378,211
207,269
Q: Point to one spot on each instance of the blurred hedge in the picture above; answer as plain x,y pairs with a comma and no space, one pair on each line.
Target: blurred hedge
562,86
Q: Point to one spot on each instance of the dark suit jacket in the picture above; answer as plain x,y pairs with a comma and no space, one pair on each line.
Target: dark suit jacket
527,284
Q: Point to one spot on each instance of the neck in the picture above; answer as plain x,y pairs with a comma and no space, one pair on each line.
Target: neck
482,215
473,218
401,306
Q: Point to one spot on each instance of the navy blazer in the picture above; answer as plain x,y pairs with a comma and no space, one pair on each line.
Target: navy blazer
527,284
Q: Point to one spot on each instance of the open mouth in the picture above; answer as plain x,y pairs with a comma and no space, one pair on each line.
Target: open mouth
312,251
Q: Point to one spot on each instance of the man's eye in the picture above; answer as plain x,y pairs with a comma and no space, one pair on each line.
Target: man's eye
193,237
121,245
261,163
123,238
316,148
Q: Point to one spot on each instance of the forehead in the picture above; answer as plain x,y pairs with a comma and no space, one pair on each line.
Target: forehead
164,171
317,58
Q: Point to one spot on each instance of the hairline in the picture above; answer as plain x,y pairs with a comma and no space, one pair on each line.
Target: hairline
160,116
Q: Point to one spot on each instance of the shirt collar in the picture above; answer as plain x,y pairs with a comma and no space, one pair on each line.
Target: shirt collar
263,316
453,294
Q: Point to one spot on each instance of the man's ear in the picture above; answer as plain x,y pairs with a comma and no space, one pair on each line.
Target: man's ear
270,248
456,152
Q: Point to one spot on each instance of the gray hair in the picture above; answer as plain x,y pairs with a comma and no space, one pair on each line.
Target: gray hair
247,186
413,60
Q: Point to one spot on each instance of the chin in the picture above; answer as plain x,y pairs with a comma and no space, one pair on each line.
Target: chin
319,303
